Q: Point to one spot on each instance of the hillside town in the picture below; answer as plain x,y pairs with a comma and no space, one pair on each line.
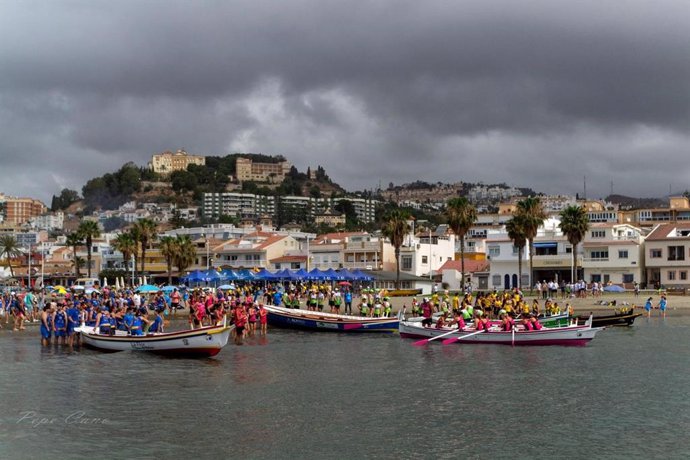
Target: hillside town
643,247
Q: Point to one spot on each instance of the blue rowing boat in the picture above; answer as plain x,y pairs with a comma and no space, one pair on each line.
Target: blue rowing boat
329,322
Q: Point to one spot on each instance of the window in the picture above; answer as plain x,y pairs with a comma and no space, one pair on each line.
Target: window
406,263
623,254
655,253
494,251
676,253
607,278
496,280
598,233
671,275
425,260
600,255
515,250
683,275
596,278
568,249
628,278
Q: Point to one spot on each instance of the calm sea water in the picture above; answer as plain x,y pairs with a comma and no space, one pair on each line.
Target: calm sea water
309,395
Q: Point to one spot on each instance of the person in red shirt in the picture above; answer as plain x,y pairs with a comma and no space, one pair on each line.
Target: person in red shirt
263,318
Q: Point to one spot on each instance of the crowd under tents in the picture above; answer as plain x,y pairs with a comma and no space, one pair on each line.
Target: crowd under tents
215,277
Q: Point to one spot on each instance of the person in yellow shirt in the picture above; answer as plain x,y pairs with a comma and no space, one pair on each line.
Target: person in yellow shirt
456,302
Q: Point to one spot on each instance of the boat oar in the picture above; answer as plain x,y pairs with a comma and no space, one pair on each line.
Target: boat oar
419,343
455,339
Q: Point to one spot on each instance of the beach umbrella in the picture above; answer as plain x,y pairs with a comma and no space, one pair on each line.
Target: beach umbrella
168,288
59,290
105,281
226,287
91,290
117,284
344,283
614,288
148,288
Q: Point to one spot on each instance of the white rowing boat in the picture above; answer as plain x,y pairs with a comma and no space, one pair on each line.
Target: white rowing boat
566,335
203,342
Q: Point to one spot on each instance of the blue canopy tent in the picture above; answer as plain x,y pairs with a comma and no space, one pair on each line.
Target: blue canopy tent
331,275
265,275
211,276
228,275
194,277
614,288
316,275
301,274
346,275
360,276
246,275
288,275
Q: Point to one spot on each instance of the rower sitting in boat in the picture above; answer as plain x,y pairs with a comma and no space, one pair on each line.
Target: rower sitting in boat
527,322
536,325
507,322
458,320
157,323
137,325
481,323
441,321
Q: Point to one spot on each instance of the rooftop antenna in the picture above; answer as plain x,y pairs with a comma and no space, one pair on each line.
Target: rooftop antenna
585,191
611,187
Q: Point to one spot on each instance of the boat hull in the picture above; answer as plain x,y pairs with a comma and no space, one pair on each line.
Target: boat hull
204,342
563,336
328,322
611,320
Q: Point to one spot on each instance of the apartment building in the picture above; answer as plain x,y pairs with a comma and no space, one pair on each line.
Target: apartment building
248,170
667,255
20,210
613,253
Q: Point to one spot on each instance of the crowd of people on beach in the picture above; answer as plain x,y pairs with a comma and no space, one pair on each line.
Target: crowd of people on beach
110,309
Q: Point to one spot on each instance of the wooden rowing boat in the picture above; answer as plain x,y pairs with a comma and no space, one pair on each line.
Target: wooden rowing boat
319,321
565,335
625,318
203,342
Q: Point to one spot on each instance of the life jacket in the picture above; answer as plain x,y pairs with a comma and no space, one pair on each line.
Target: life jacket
537,325
528,326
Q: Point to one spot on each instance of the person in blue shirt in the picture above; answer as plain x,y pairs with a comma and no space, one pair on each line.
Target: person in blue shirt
648,307
137,327
662,306
348,302
128,320
72,322
157,324
277,298
60,324
46,325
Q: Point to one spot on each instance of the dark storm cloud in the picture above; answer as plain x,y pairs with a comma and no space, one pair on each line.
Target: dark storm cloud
540,96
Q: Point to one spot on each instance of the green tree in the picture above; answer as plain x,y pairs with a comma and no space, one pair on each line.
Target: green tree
574,225
516,232
145,231
127,245
186,252
532,215
74,240
88,229
395,228
9,249
168,247
460,216
62,201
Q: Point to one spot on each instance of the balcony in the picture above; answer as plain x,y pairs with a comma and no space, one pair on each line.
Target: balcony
595,259
362,246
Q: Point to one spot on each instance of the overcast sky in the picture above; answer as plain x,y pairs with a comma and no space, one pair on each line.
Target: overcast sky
531,93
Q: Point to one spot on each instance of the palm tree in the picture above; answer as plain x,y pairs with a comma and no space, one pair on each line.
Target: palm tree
77,263
74,240
516,232
186,252
461,215
88,229
574,224
145,231
9,248
127,245
395,227
168,247
532,215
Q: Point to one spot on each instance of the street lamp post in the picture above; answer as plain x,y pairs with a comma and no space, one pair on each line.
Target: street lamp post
133,261
307,252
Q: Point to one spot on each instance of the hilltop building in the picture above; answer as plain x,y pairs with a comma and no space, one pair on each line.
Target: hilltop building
167,162
248,170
